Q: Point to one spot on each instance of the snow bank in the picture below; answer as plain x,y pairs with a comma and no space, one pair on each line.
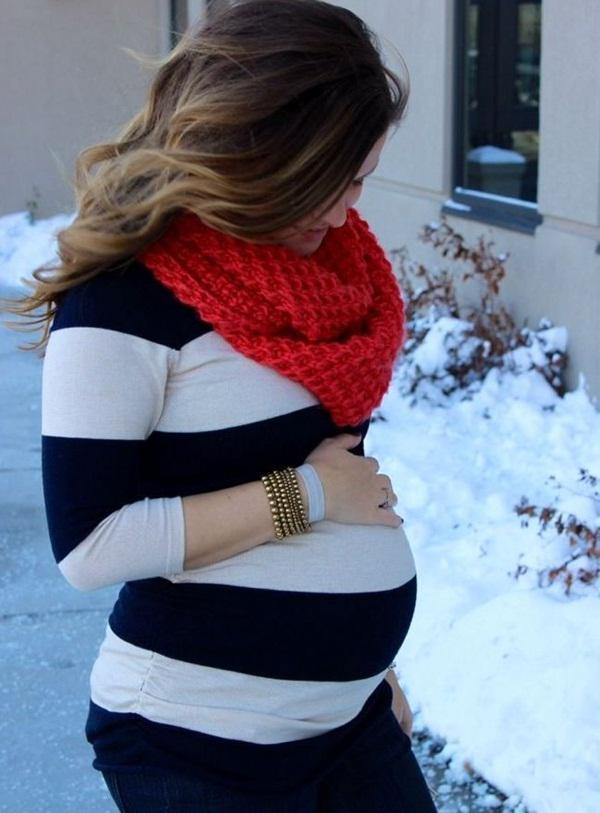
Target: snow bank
505,671
24,247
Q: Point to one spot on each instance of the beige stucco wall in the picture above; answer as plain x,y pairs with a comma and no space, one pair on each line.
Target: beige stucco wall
556,272
564,279
569,184
417,155
66,84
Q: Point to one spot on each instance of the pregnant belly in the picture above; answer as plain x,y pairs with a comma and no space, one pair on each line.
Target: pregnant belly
331,605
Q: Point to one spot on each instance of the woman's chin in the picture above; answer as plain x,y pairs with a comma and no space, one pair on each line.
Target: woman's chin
305,243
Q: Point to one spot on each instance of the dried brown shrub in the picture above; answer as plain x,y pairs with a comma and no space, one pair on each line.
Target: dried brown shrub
583,562
491,337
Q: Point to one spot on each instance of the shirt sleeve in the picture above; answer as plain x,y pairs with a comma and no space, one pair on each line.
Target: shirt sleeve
102,395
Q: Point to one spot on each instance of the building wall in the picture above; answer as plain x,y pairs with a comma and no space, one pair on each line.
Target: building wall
67,84
556,271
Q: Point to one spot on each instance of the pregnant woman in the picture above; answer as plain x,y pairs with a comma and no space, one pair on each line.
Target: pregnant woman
225,324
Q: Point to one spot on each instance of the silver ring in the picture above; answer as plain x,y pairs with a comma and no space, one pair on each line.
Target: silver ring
386,503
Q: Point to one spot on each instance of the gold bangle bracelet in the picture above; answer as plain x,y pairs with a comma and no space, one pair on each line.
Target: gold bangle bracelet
284,505
270,488
297,502
288,507
285,501
274,502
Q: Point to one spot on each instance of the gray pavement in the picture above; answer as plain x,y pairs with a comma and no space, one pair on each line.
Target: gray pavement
49,634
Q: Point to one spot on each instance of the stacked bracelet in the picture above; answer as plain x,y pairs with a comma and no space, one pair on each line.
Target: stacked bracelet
285,499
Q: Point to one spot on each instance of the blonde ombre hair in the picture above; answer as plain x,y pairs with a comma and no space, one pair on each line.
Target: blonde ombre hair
253,121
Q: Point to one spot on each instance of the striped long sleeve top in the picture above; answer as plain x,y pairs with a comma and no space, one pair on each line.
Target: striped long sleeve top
258,670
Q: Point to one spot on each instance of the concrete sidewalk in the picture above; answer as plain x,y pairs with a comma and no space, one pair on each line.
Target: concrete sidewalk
49,632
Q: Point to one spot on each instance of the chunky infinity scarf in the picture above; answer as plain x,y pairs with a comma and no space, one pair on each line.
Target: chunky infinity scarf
333,321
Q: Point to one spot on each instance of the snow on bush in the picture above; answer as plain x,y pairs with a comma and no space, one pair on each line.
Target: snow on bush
451,349
572,526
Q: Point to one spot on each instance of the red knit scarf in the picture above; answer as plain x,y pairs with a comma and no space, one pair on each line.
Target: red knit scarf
333,321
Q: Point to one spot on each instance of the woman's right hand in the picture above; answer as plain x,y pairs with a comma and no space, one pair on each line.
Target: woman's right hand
353,488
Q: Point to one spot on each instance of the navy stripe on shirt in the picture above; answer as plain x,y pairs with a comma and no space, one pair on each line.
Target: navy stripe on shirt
130,299
289,635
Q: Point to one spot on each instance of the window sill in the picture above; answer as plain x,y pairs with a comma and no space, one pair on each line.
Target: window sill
507,213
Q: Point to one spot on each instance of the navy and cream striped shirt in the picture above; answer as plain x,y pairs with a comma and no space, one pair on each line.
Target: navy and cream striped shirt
258,670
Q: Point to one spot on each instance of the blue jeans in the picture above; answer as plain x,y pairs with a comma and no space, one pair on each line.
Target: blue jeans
380,774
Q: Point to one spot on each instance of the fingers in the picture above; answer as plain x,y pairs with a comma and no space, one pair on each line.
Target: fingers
384,482
347,440
386,516
385,486
374,462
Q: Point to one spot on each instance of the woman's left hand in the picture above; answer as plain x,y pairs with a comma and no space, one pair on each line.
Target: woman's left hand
400,705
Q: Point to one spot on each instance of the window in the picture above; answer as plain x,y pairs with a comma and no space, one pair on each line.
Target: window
178,12
183,13
497,105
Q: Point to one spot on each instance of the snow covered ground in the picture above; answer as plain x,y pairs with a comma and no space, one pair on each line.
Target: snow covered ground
24,246
505,671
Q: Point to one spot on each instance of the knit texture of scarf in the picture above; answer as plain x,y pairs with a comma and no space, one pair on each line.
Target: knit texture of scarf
332,321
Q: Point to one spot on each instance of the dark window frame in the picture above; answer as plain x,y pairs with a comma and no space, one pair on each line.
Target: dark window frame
508,213
178,20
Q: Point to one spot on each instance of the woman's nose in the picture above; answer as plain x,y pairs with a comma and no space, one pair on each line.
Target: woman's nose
336,215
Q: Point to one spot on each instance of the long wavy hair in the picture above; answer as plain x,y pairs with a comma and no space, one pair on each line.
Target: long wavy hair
254,120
